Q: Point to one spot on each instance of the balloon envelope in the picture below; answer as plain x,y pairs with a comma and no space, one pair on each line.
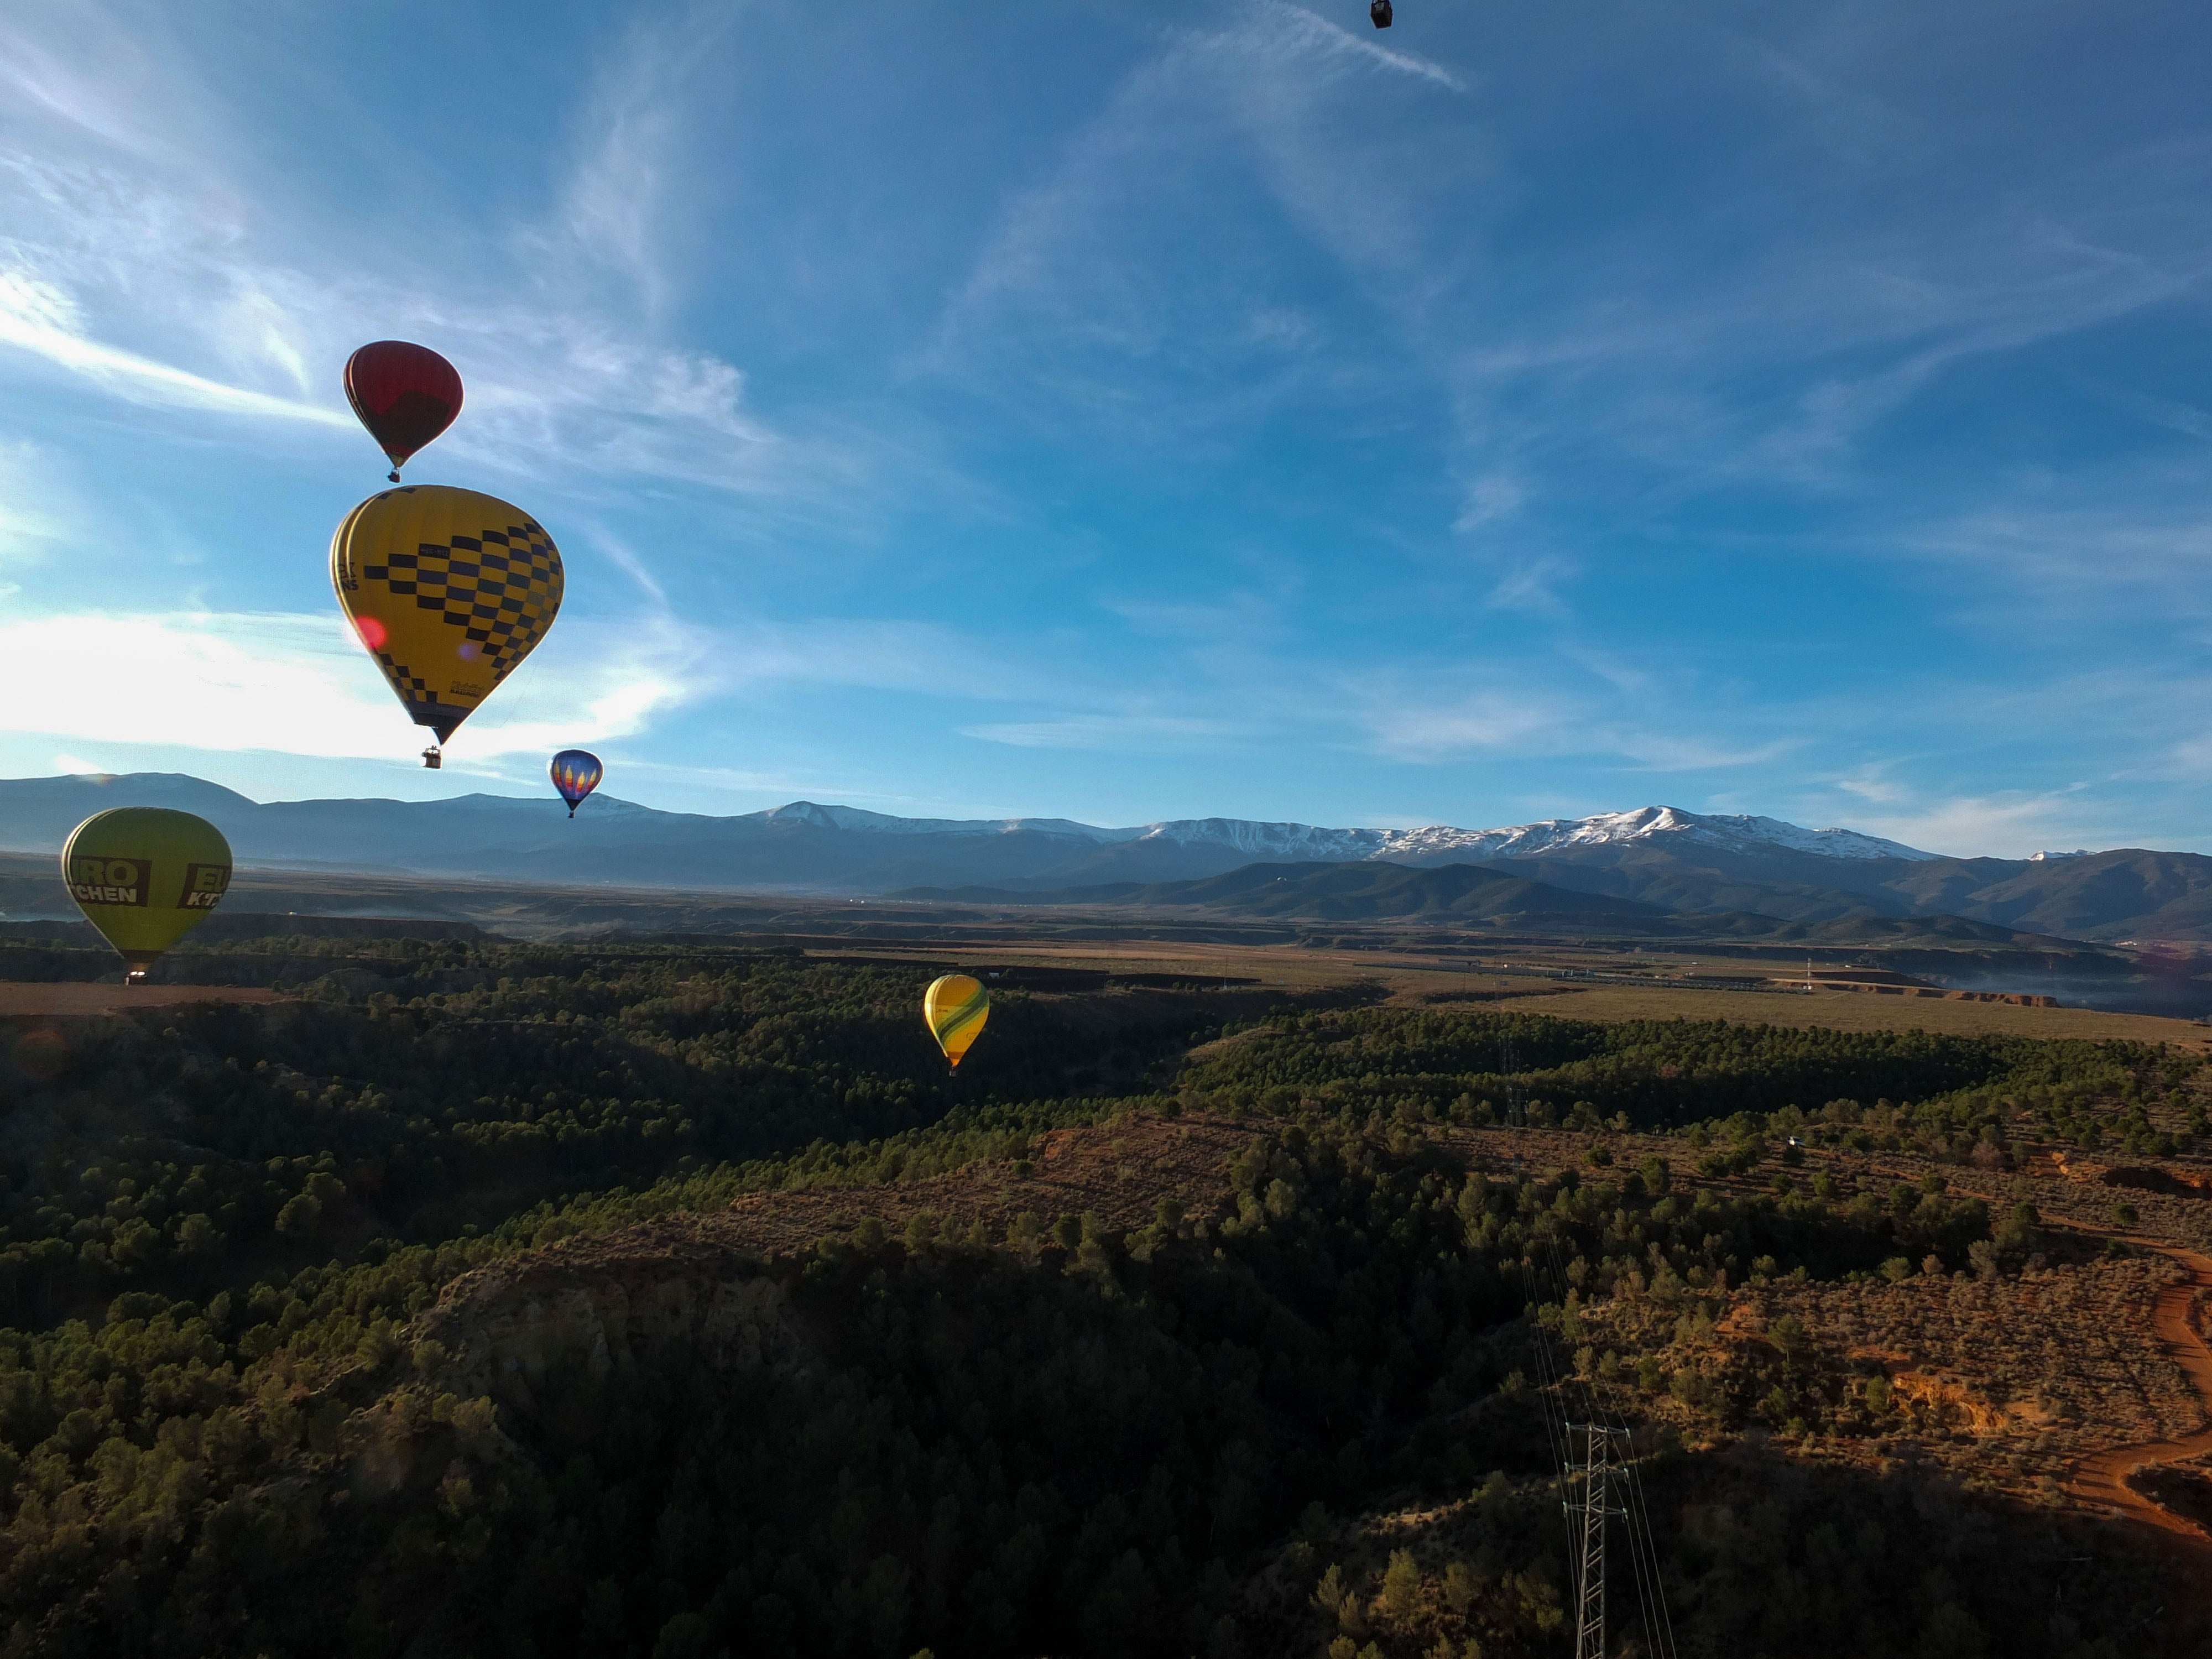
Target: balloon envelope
145,876
404,394
448,590
955,1007
576,773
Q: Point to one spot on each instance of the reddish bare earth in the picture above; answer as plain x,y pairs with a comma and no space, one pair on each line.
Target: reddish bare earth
1120,1172
2114,1481
2082,1385
63,1001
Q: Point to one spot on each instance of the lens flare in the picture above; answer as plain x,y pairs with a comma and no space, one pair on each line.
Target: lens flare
41,1055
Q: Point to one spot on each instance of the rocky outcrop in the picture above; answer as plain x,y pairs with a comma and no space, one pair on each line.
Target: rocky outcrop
503,1330
706,1283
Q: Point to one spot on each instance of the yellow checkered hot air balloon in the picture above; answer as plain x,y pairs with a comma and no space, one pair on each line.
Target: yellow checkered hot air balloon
956,1007
449,590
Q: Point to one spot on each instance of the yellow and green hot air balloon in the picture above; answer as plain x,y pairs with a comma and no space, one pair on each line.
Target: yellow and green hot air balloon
955,1007
448,590
145,877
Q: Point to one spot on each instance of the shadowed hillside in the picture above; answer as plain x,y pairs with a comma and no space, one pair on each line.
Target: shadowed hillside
668,1300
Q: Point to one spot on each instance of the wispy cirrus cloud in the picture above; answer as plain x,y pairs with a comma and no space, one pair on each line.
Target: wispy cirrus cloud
550,390
1871,783
1447,727
1090,273
1669,751
1139,734
299,685
40,506
2049,554
148,272
40,317
1310,30
1533,585
2005,826
634,147
107,72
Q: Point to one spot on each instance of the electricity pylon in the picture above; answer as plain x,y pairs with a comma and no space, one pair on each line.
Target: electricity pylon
1600,1501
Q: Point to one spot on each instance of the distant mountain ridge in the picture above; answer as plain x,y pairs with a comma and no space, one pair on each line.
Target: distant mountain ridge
1648,825
34,811
1678,861
1307,842
1490,897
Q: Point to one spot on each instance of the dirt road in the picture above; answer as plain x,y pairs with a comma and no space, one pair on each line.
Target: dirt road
2102,1480
20,1000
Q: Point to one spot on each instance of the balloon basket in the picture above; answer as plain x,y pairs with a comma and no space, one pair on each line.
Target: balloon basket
434,758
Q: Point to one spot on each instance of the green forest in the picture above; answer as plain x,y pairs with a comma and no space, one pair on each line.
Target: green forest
221,1432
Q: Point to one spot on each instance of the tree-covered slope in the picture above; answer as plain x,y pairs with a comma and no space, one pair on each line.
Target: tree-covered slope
370,1323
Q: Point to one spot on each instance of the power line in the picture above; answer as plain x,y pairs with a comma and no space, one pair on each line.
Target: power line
1598,1505
1609,1487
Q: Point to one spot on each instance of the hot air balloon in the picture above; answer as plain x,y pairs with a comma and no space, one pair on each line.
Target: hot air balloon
404,394
145,876
448,590
956,1007
576,773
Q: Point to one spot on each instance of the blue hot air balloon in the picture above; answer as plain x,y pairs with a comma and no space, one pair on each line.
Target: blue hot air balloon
575,775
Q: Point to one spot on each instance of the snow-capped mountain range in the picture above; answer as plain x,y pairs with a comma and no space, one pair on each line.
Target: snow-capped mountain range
1305,842
807,847
36,813
1680,861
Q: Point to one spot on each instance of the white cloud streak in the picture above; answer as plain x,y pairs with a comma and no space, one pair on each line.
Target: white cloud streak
38,506
1311,28
145,273
39,318
1143,734
1995,827
633,157
1447,728
297,684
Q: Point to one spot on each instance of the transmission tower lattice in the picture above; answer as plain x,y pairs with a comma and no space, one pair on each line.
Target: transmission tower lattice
1600,1501
1515,1116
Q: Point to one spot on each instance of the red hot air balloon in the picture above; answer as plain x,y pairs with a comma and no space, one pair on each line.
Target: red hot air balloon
404,394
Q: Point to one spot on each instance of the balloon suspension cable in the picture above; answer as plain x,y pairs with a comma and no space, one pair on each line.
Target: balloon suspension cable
572,811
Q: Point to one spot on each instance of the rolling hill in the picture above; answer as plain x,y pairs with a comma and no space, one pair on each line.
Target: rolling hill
1627,866
807,847
1354,893
1493,897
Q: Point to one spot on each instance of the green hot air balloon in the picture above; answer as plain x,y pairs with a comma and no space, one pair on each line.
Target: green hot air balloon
145,877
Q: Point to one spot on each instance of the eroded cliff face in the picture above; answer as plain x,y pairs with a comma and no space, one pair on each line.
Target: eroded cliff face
706,1285
503,1330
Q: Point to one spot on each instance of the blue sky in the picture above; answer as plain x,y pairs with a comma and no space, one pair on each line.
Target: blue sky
1125,412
